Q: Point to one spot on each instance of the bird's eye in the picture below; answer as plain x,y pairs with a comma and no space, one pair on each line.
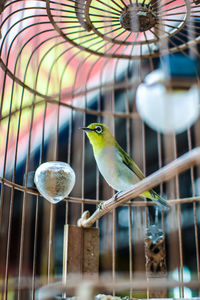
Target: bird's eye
98,129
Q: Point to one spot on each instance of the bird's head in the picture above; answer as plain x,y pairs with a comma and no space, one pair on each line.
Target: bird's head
99,136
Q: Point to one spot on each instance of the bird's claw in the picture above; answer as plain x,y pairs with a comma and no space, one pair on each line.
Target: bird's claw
116,194
100,205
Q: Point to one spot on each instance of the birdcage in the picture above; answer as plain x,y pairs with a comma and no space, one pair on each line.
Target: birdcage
130,64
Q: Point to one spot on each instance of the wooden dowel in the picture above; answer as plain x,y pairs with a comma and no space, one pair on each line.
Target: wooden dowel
177,166
52,290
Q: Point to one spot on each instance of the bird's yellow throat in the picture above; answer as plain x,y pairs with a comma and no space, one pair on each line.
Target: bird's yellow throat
100,141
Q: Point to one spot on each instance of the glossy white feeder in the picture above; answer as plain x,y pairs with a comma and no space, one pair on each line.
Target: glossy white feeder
54,180
166,111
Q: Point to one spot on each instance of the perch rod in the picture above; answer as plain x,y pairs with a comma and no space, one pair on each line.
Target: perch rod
177,166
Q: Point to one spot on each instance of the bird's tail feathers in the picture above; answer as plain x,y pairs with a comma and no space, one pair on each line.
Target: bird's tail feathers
160,201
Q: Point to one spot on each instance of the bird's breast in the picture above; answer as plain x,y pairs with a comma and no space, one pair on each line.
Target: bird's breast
112,168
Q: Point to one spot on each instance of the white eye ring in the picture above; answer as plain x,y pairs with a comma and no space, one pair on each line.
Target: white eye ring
98,129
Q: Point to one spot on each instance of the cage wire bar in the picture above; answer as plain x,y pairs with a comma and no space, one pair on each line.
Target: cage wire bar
64,64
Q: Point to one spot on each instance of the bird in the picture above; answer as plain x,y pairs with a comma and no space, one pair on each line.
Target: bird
115,165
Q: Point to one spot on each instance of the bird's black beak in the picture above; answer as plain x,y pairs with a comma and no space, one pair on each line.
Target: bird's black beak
85,129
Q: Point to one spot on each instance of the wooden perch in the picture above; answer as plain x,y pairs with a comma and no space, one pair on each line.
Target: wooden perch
177,166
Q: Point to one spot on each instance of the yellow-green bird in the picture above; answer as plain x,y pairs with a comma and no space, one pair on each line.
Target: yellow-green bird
117,168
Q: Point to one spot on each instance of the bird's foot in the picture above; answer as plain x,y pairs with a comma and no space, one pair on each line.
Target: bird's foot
116,194
100,205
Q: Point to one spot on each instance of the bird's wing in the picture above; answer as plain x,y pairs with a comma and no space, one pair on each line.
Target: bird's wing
130,163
